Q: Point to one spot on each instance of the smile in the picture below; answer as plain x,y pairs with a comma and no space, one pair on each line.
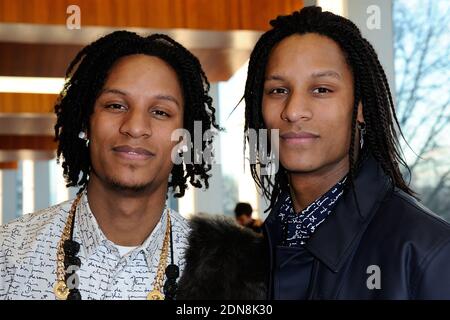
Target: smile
133,153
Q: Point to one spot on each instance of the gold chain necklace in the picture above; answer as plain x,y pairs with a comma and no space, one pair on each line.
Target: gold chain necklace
61,289
156,293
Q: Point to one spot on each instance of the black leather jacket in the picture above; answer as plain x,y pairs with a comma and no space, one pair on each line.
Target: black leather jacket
394,248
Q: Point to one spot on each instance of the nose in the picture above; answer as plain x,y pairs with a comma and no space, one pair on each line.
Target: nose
296,108
136,123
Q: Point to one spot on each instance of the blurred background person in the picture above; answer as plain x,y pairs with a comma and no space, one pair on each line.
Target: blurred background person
243,213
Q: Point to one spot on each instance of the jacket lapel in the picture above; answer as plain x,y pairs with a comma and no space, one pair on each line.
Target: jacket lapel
333,241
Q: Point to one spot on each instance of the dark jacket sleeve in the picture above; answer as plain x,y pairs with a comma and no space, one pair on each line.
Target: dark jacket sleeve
433,282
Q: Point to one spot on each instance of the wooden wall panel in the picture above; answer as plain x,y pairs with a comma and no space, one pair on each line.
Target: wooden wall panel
27,142
191,14
27,102
52,60
9,165
220,65
36,59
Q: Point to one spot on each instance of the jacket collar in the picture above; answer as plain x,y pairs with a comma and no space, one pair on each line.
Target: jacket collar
333,240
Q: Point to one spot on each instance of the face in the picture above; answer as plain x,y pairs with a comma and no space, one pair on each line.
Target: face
244,220
134,116
308,96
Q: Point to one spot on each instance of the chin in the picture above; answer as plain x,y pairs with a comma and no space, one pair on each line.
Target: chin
130,187
301,169
303,166
127,185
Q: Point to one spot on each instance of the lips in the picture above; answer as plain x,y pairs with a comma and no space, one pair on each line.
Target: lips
299,137
133,153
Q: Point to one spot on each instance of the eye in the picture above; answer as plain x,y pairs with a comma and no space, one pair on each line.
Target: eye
115,107
278,91
321,91
160,113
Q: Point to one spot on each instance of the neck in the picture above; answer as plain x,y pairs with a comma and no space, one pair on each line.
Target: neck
126,219
307,187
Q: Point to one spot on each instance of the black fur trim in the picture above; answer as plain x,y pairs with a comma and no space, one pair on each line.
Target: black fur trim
223,261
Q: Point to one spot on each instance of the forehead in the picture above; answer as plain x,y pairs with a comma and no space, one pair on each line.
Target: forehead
144,76
307,51
138,66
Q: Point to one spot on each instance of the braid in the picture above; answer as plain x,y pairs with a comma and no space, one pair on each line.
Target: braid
85,78
371,88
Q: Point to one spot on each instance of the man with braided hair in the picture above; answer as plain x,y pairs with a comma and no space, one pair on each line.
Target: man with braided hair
343,224
124,97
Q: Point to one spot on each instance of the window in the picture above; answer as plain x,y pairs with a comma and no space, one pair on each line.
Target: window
422,70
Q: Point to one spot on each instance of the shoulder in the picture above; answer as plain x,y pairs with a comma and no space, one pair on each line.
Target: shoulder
180,231
28,250
429,246
414,216
404,222
24,231
179,223
401,217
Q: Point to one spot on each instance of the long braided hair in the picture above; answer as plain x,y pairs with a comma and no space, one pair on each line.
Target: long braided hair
370,87
85,78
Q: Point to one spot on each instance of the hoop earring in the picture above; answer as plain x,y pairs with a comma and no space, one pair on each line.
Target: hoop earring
362,132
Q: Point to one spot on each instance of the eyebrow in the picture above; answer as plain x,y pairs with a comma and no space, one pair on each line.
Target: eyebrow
326,73
159,96
117,91
318,74
168,98
274,77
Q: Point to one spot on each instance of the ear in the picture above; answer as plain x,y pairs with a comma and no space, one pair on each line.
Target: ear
360,116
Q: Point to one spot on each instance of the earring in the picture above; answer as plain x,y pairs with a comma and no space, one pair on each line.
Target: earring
362,132
83,136
183,149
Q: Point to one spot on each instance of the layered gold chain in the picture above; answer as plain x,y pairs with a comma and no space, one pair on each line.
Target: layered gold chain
61,289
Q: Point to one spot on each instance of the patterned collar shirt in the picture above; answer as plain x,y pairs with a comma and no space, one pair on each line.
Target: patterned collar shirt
28,255
298,227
